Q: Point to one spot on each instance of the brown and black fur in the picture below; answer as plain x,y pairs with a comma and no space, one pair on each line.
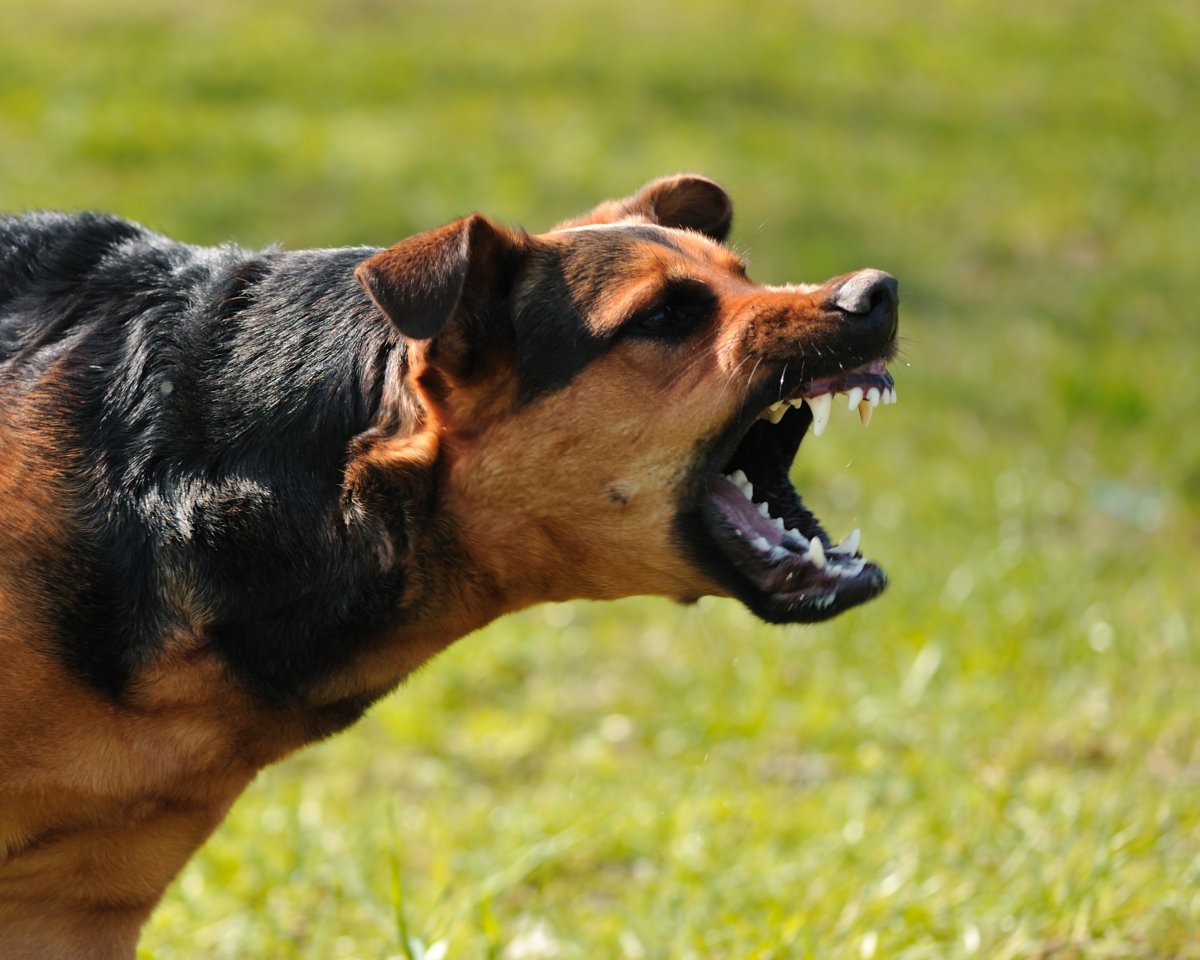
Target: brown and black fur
242,495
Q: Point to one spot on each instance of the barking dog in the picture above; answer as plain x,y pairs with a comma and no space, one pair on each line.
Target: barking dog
242,495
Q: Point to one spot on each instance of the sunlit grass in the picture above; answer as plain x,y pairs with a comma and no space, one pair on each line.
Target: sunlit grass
999,758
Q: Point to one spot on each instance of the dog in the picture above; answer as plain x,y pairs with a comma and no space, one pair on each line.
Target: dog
242,495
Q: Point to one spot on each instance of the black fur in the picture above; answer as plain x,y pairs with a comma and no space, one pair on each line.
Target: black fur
205,401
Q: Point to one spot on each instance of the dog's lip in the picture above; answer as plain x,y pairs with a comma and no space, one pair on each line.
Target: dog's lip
790,563
867,386
775,552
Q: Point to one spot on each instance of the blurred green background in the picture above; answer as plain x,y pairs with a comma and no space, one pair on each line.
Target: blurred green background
998,758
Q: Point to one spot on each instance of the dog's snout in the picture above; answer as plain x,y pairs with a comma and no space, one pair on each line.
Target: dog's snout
866,290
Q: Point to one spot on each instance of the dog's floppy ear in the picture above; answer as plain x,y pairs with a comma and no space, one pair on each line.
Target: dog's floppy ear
419,282
687,200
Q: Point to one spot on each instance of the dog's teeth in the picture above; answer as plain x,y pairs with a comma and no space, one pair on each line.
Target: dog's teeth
774,413
864,411
816,553
739,479
797,402
764,510
820,407
849,546
855,396
798,540
873,396
760,543
892,394
777,522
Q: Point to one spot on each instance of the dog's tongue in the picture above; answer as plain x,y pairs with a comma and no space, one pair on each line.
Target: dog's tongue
743,514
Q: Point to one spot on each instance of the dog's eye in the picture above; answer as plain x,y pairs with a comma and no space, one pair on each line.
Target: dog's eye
676,313
658,319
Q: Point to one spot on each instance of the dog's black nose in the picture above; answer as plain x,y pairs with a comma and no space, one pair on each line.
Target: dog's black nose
866,290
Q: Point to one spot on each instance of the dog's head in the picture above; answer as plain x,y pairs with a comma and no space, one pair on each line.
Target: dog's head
612,408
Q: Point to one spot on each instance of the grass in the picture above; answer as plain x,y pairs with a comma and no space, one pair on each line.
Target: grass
1000,757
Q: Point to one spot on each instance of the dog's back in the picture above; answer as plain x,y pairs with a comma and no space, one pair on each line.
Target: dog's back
185,397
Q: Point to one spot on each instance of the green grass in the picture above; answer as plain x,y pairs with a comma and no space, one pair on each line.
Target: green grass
1000,757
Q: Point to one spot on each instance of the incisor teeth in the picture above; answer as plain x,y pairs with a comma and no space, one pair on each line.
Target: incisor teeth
864,411
764,510
778,524
873,396
760,543
820,407
849,546
855,397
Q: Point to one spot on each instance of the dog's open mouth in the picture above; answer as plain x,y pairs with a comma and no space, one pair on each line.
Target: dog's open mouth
784,565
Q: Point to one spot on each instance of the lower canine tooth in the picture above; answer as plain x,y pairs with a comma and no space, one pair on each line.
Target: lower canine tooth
864,412
816,553
820,407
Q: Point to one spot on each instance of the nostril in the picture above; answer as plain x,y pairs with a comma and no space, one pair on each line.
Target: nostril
866,290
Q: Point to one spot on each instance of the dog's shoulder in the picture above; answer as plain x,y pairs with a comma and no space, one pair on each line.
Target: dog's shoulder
195,408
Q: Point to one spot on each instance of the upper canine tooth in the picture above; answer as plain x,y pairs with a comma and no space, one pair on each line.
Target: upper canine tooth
864,411
855,396
820,412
